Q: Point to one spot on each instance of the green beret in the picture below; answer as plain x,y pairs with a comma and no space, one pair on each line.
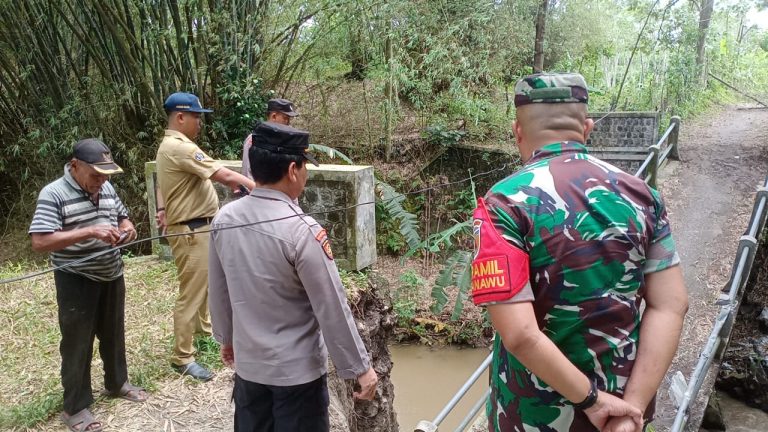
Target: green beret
551,88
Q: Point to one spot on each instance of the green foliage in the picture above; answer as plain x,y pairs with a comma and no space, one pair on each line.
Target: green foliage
354,282
330,152
392,203
442,240
244,102
208,352
73,69
33,412
439,135
469,331
462,203
406,298
388,236
456,272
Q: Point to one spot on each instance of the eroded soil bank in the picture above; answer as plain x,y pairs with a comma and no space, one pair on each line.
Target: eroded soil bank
743,373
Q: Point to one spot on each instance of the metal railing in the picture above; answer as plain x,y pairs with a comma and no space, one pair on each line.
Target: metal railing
718,339
431,426
649,168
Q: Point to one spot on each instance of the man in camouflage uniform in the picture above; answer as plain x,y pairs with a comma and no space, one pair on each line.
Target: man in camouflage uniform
567,249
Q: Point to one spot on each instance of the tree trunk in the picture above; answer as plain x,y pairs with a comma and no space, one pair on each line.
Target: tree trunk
705,16
538,46
389,96
615,102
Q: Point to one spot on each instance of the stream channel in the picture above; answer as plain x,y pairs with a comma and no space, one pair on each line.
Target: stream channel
426,378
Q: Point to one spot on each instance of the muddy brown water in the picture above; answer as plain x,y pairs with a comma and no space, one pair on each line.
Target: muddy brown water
426,378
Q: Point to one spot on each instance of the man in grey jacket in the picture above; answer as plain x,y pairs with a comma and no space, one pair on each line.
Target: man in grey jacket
276,299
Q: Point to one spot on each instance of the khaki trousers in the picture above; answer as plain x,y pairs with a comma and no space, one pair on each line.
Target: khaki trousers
190,314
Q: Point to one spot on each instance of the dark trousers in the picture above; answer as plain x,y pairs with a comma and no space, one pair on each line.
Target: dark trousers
86,309
266,408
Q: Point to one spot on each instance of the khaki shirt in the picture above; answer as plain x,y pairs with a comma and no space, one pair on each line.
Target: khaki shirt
274,293
183,177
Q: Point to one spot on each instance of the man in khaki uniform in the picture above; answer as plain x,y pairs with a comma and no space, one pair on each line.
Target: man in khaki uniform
187,203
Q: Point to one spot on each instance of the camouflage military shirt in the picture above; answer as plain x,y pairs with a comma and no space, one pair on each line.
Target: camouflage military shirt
575,236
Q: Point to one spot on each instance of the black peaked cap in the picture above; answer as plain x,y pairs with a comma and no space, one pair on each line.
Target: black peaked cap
280,138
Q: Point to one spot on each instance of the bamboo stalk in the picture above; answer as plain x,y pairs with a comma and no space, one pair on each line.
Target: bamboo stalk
182,48
737,90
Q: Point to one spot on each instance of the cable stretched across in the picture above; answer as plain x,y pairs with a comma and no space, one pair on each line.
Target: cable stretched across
334,210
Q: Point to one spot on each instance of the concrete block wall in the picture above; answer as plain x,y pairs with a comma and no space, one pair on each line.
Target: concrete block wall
624,129
352,231
635,131
459,161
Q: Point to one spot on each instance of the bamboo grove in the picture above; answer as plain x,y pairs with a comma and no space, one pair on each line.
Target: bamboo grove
385,80
76,68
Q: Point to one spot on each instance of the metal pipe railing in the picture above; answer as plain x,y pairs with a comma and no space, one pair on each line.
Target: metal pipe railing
724,322
666,135
426,426
644,166
473,412
737,276
666,153
660,158
705,361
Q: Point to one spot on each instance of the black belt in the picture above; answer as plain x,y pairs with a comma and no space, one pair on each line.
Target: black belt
197,222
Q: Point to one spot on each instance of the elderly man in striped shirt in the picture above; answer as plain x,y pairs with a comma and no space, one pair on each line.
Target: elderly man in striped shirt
77,215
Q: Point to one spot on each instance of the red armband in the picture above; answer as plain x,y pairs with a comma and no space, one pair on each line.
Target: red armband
499,270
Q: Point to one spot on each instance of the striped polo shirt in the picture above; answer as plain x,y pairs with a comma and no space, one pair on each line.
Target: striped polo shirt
62,206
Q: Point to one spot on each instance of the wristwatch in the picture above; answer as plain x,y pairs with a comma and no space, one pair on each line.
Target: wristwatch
591,398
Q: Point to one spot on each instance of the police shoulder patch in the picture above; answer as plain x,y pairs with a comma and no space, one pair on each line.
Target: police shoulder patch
325,243
199,156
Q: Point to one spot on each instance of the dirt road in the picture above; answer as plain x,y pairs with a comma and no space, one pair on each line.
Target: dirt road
710,195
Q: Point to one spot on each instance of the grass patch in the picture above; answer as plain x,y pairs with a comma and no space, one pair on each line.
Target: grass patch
208,352
30,388
354,283
30,413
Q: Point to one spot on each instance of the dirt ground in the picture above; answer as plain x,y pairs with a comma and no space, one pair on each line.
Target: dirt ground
178,405
710,195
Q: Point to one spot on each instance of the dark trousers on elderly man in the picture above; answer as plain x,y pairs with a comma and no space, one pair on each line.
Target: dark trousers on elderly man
266,408
89,309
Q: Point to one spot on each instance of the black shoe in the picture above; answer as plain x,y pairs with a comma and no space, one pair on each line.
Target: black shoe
195,370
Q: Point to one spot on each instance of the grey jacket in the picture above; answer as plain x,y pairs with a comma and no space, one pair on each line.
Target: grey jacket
276,296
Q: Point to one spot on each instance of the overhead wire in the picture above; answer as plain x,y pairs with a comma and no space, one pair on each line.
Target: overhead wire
315,213
334,210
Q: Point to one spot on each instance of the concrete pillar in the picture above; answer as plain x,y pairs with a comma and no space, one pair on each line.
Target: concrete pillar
674,138
352,231
653,168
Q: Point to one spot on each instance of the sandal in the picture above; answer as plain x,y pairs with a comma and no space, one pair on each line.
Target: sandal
128,392
81,422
